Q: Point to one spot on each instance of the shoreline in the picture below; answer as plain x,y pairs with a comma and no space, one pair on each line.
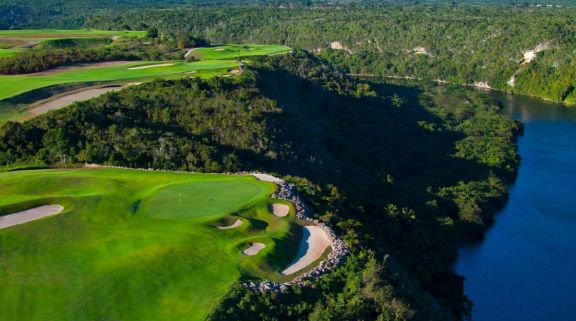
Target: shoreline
446,82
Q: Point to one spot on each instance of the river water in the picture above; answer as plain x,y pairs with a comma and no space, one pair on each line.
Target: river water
525,269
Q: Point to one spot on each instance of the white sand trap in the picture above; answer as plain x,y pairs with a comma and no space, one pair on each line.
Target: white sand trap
67,100
189,51
254,248
234,225
150,66
29,215
268,178
279,210
314,242
219,49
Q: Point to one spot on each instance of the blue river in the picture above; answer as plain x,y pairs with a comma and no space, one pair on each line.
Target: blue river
525,268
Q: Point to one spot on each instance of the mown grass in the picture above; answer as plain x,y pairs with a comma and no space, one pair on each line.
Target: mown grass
60,34
9,52
12,85
234,51
132,245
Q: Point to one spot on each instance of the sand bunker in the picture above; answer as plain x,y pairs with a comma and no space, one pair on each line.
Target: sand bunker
67,100
314,242
219,49
29,215
189,52
234,225
150,66
279,210
268,178
253,249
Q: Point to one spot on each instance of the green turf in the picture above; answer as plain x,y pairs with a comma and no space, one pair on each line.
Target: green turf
13,85
132,245
60,34
9,52
233,51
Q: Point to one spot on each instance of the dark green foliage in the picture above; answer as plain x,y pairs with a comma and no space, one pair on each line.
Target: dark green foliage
152,33
35,61
74,43
465,44
62,52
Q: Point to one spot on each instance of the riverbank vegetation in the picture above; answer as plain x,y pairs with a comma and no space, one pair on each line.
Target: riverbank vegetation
403,174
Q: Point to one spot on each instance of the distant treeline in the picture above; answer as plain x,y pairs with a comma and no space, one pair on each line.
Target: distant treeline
61,52
463,45
29,62
403,174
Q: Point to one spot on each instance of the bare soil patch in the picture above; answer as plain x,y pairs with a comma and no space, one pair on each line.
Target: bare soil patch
69,99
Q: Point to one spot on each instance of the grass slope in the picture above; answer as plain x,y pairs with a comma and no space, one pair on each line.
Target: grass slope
13,42
62,34
132,245
233,51
9,52
13,85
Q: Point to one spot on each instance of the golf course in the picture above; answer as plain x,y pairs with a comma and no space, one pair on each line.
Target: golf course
134,245
13,42
123,71
27,95
233,51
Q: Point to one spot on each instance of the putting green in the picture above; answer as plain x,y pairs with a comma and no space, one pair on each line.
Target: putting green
199,200
234,51
107,256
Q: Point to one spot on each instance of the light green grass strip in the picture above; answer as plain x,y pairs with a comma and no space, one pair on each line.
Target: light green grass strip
233,51
12,85
10,52
60,34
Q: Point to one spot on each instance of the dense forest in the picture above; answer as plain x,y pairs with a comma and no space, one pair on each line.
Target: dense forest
464,44
403,174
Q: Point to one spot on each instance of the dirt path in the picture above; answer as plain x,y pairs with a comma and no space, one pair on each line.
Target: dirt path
314,242
29,215
253,249
80,66
279,210
234,225
69,99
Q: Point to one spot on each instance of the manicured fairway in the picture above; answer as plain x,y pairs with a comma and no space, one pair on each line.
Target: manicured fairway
133,245
12,85
10,52
62,34
238,51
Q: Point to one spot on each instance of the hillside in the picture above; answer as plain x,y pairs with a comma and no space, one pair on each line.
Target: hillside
387,168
